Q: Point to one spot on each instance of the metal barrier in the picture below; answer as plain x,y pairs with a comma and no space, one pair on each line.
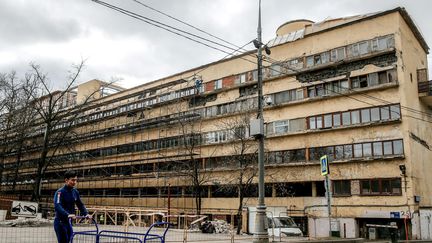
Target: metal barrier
97,236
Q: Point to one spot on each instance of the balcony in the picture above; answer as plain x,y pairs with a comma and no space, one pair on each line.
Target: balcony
425,92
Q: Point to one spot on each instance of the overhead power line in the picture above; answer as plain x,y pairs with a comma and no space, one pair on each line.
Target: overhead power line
190,25
192,36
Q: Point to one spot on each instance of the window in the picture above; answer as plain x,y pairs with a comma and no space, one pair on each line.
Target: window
363,47
365,115
319,90
319,122
358,150
317,59
299,94
309,61
325,57
336,119
342,188
348,151
381,187
297,124
397,147
363,81
346,118
218,84
355,117
328,120
385,113
280,127
388,148
395,112
339,152
312,123
355,82
377,149
375,114
338,54
373,79
281,97
367,150
311,91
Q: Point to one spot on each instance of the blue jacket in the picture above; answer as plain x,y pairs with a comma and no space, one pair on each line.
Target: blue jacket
65,199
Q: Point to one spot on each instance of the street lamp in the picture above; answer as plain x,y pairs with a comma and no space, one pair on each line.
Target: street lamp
261,234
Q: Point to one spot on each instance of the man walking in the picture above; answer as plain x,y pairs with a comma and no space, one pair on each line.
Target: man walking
65,200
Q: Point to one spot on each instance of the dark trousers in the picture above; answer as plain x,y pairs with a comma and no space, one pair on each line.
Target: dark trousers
63,231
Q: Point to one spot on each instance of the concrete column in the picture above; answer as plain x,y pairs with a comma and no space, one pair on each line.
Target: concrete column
314,189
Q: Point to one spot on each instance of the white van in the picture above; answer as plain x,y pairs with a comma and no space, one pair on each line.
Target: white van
278,225
281,226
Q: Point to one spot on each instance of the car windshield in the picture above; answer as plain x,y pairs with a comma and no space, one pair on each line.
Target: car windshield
284,222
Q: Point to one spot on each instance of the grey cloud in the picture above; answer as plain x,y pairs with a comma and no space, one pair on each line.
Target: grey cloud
30,22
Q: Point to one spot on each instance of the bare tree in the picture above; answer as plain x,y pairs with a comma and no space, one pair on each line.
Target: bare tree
243,159
17,117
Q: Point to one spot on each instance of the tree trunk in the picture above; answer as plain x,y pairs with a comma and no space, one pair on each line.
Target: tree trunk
239,214
17,166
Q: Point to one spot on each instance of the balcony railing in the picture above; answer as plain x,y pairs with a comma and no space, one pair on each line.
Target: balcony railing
425,87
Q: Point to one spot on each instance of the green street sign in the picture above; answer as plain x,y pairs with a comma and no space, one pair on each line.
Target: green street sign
324,165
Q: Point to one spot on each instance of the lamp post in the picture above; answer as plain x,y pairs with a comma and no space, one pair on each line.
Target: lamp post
261,234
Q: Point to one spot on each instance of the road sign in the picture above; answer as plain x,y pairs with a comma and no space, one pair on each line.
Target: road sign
24,209
324,165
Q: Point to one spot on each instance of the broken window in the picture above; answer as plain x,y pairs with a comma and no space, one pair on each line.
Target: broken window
339,152
317,59
355,82
348,151
363,81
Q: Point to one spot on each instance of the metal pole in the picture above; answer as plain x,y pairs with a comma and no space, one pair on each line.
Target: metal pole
328,203
261,234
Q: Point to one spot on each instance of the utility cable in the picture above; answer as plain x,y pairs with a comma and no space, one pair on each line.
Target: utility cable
187,24
272,61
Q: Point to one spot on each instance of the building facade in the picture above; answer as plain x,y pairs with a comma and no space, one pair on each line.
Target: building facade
355,89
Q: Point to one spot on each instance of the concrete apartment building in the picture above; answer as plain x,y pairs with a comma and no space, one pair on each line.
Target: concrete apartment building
354,88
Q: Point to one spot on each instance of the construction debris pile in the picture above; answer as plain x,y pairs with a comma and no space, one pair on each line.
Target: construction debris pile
28,222
215,226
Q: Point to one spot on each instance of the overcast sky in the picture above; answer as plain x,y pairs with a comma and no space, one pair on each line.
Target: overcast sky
58,33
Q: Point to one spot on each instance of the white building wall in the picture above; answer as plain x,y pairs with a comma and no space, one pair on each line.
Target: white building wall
425,224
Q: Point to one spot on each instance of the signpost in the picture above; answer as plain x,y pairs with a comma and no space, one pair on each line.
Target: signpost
325,171
24,209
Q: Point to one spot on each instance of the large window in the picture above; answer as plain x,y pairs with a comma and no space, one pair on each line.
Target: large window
342,188
358,150
381,187
365,115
